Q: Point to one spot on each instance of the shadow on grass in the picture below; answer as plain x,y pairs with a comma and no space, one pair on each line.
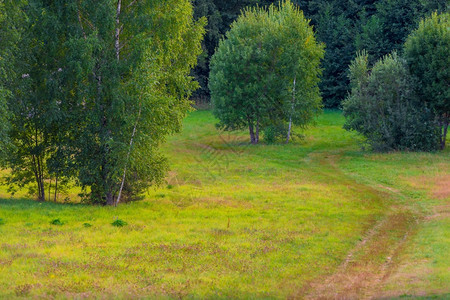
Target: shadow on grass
23,203
436,296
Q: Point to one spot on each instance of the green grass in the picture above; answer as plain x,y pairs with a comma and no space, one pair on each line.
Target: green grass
234,220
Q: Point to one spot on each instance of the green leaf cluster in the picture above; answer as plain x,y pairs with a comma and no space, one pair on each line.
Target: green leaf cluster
11,23
220,15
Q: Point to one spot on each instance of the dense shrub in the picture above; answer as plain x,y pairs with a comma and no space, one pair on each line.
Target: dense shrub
384,107
56,222
275,133
119,223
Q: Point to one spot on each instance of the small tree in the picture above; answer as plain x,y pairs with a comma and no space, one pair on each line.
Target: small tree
427,53
384,107
266,71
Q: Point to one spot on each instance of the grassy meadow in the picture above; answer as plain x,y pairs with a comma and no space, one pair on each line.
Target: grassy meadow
318,218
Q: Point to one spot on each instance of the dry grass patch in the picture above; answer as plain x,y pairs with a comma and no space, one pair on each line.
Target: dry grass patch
437,186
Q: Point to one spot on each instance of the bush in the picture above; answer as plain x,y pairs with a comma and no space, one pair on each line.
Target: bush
275,133
119,223
57,222
384,107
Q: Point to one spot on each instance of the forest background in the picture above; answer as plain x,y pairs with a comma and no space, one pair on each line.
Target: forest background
344,26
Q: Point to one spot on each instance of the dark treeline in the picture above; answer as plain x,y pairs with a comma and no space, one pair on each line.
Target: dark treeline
345,26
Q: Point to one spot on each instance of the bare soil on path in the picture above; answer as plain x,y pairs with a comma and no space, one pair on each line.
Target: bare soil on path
375,259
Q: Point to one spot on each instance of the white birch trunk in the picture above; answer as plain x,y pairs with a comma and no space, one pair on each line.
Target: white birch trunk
117,36
292,111
128,156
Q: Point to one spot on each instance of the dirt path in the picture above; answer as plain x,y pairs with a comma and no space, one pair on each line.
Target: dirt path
370,263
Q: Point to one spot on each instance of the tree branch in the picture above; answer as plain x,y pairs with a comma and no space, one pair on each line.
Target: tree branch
131,4
79,20
128,154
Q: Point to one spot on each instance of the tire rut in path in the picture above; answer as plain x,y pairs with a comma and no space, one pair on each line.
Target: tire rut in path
370,263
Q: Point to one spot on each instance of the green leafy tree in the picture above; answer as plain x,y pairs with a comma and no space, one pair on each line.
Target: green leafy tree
384,107
139,91
220,15
378,26
427,53
101,84
266,72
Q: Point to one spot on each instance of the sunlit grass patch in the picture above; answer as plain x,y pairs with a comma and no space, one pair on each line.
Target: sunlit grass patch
238,221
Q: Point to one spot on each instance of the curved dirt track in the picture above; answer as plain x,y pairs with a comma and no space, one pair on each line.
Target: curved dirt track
370,264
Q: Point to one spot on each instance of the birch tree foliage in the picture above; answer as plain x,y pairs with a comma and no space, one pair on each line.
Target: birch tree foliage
101,84
47,92
142,89
11,25
254,69
300,67
141,93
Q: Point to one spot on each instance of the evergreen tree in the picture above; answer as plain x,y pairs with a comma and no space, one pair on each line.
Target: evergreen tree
371,39
387,29
337,32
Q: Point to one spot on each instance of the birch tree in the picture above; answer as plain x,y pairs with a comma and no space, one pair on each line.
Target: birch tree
101,85
42,89
266,72
11,27
140,89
